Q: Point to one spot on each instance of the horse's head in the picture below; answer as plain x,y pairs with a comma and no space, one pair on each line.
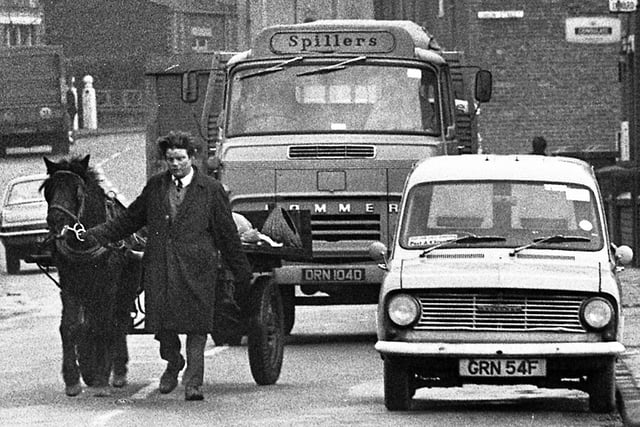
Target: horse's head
65,191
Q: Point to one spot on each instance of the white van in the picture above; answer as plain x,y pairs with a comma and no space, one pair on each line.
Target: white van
501,272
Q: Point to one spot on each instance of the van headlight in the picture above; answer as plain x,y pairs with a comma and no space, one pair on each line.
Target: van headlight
403,309
597,313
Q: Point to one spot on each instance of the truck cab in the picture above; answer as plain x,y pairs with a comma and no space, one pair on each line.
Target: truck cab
329,117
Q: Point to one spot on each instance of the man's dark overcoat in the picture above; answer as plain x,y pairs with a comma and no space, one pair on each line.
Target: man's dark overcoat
180,261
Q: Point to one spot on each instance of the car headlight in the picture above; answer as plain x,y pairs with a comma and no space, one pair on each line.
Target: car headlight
597,313
403,309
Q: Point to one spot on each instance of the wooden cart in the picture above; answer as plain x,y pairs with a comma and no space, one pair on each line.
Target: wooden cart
265,326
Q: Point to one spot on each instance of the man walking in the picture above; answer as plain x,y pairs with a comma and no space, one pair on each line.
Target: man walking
189,223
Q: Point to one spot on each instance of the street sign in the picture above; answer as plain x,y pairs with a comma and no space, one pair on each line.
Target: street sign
623,5
593,30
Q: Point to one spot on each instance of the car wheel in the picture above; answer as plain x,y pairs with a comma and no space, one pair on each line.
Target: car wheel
602,388
397,386
13,260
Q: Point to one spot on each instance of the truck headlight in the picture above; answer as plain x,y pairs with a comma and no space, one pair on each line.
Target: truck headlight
597,313
403,309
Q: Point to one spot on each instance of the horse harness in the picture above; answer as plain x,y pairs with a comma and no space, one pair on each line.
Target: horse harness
86,255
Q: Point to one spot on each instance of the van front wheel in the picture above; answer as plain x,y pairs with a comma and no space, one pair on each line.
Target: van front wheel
397,386
602,388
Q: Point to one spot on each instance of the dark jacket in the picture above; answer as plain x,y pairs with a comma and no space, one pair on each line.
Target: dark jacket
180,261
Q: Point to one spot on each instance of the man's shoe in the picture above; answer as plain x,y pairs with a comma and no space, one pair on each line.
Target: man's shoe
73,390
169,379
119,380
193,393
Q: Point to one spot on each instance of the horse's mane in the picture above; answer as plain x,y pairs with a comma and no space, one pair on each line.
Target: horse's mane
95,201
92,178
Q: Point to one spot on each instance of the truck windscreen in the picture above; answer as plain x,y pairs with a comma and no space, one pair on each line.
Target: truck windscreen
316,99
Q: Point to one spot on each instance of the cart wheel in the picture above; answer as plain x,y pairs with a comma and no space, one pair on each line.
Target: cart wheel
288,295
266,334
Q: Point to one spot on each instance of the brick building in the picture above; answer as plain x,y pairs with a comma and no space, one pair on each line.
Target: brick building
21,23
547,81
112,39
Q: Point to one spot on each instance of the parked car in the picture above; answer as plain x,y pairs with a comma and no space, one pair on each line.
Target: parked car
23,219
501,272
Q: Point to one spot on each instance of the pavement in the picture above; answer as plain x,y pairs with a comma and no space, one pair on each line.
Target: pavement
628,369
86,133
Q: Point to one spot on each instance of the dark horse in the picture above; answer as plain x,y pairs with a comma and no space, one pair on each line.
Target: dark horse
98,284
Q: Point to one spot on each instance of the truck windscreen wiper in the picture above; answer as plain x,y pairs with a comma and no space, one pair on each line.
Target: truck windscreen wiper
273,69
556,238
467,238
331,68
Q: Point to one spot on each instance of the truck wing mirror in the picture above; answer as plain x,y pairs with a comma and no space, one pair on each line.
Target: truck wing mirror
623,254
484,86
189,93
378,253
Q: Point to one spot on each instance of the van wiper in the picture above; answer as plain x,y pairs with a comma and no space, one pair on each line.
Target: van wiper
467,238
332,68
556,238
275,68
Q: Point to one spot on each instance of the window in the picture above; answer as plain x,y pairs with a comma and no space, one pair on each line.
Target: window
358,98
200,43
20,35
518,211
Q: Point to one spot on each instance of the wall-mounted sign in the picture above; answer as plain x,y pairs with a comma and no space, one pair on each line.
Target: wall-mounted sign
18,18
201,31
623,5
501,14
593,30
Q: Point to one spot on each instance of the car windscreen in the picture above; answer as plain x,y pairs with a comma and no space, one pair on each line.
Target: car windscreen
352,98
25,192
521,212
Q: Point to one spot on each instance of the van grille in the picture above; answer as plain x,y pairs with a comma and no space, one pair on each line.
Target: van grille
333,228
492,312
331,151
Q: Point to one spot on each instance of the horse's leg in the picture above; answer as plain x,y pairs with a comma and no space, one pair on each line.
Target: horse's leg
127,291
69,330
119,350
87,352
102,344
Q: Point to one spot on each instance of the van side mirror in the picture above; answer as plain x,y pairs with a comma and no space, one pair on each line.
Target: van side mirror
484,86
189,92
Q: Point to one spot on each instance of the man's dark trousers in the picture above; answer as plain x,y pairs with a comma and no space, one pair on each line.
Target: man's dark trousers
170,351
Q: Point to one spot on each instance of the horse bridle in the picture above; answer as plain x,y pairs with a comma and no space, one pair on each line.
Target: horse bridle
78,228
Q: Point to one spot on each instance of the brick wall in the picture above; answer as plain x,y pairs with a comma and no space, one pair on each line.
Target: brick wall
544,85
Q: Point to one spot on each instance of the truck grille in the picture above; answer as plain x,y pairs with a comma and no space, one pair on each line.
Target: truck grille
331,151
333,228
487,312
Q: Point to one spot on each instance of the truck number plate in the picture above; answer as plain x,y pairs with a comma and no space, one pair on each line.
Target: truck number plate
502,367
332,274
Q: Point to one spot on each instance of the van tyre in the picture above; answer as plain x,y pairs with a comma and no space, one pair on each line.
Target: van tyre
602,388
398,390
13,260
266,334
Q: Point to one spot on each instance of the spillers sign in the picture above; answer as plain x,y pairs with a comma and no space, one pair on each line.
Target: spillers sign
359,42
